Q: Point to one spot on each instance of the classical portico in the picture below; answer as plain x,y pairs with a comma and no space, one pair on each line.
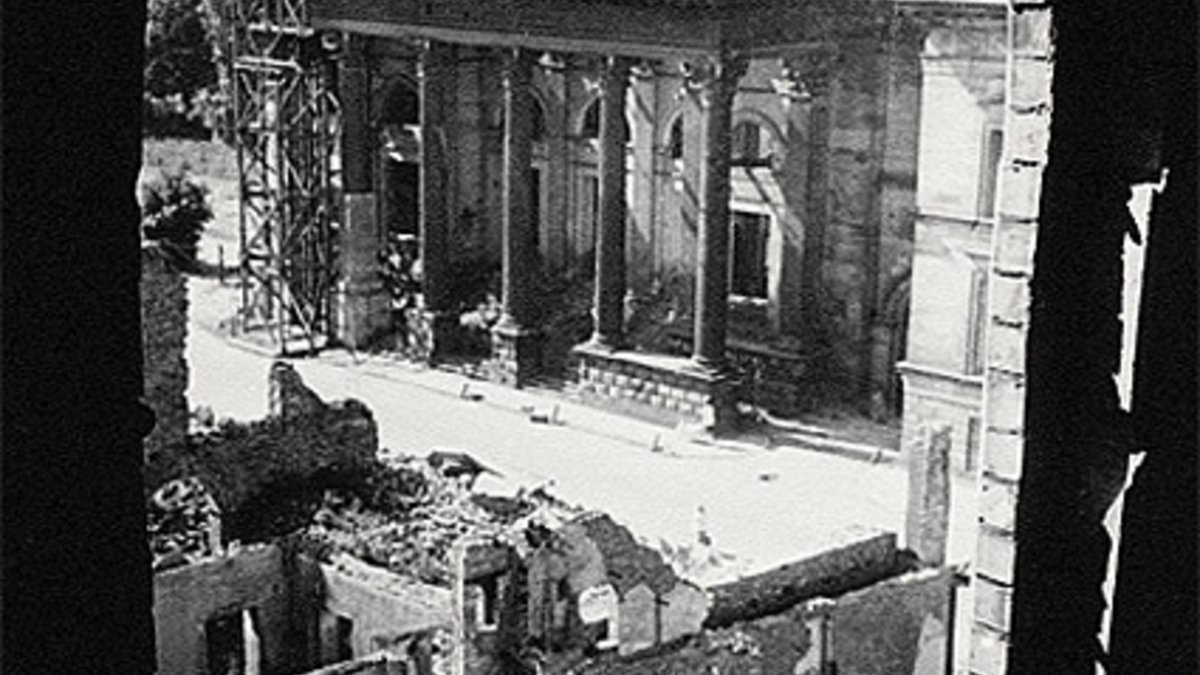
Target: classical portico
706,50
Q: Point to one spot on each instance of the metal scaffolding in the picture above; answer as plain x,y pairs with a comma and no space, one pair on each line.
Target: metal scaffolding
281,77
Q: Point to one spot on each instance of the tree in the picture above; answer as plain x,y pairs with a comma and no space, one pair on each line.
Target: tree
175,210
180,73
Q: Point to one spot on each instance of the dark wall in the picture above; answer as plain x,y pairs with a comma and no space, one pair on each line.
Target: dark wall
76,564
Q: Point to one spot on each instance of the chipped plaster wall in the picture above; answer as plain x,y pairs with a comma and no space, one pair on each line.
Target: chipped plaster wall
186,597
384,607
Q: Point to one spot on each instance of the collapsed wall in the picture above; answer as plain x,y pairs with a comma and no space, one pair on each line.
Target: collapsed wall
304,438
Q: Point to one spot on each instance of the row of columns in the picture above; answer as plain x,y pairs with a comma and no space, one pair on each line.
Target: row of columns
516,338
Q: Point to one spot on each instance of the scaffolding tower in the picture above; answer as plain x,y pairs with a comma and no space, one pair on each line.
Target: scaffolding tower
281,79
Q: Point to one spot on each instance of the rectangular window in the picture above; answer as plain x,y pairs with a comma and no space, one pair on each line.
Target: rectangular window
344,639
748,268
977,325
487,612
974,436
225,642
989,172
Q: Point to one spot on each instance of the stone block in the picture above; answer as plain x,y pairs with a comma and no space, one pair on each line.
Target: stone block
1030,88
657,400
1003,453
1006,348
1028,136
989,652
1014,246
1009,299
1031,32
1020,192
993,603
998,502
1005,407
928,510
995,553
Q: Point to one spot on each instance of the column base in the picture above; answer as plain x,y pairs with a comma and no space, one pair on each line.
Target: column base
363,317
658,387
516,354
430,335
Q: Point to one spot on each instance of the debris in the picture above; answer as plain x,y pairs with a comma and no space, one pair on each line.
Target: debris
468,395
768,477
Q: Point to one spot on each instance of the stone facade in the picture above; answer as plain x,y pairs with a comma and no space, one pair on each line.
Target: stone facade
962,133
1011,269
164,334
865,136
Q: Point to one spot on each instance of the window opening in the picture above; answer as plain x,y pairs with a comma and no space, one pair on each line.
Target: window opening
993,148
748,147
748,271
591,122
977,326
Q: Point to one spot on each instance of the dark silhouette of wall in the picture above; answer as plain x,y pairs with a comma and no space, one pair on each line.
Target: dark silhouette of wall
76,563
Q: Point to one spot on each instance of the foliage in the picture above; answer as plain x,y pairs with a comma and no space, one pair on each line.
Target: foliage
175,210
181,93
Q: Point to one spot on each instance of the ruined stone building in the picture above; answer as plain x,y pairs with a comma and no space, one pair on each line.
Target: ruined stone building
283,546
1099,97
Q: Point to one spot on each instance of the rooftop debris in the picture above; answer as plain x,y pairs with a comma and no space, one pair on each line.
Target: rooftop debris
412,530
183,523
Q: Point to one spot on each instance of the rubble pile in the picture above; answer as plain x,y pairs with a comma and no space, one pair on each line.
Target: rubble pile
412,527
183,523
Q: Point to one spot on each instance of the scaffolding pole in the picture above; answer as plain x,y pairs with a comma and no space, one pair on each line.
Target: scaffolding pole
280,74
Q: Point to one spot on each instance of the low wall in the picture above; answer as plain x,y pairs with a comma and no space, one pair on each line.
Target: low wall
653,386
833,571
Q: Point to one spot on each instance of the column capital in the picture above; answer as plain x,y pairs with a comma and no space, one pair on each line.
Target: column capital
810,73
906,36
433,54
517,65
354,52
717,76
615,67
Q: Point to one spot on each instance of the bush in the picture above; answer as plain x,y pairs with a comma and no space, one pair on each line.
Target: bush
175,210
180,73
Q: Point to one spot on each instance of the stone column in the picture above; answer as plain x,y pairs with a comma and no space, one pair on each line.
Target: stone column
812,72
610,247
516,346
436,73
717,87
363,314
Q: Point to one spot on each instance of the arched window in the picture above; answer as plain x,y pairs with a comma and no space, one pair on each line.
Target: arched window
675,141
591,122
